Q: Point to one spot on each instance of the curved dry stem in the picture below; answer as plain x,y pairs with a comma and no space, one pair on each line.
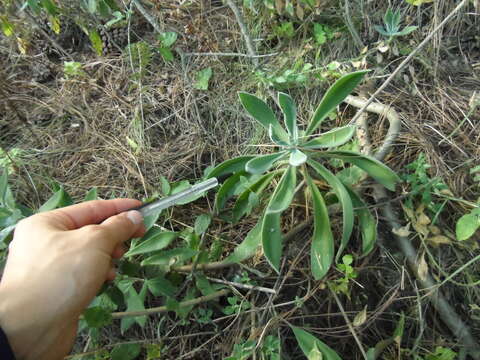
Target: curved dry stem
161,309
382,110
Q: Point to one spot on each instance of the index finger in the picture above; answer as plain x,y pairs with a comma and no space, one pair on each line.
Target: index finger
87,213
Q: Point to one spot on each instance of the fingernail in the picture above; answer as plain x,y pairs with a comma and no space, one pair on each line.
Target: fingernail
135,217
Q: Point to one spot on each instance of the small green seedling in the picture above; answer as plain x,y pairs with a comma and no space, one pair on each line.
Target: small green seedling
341,285
167,39
236,305
72,69
392,20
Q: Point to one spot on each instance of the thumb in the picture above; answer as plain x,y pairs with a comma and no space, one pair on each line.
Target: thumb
118,229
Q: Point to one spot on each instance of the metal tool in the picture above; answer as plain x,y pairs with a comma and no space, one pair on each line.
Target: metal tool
155,206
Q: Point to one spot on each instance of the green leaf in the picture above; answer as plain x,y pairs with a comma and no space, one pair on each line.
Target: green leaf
91,195
165,187
407,30
261,112
57,200
50,7
126,351
159,286
381,30
289,114
155,240
333,97
335,137
262,163
272,239
96,41
283,194
167,39
97,317
227,190
466,226
170,257
322,248
380,172
149,221
319,34
34,5
297,157
230,166
307,342
202,223
248,246
7,26
203,284
345,201
203,77
134,302
388,18
167,55
368,225
92,6
275,137
242,203
112,4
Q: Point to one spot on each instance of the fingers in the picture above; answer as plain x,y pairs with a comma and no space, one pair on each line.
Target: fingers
90,212
114,231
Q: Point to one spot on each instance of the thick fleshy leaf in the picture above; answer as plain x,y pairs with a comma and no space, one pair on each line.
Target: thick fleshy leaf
230,166
242,204
379,171
297,157
308,342
170,257
283,194
91,195
57,200
247,247
368,225
275,138
156,239
322,248
334,96
345,201
262,163
335,137
227,190
272,239
261,112
289,114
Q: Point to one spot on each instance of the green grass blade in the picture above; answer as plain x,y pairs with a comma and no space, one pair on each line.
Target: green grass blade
345,201
334,96
335,137
322,248
230,166
261,112
379,171
308,342
289,114
262,163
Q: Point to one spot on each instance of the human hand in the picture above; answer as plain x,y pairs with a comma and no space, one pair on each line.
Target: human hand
57,262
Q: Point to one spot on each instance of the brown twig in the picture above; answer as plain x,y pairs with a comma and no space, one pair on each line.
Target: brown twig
243,28
162,309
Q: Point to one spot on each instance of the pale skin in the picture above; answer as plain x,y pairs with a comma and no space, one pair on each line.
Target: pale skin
57,263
